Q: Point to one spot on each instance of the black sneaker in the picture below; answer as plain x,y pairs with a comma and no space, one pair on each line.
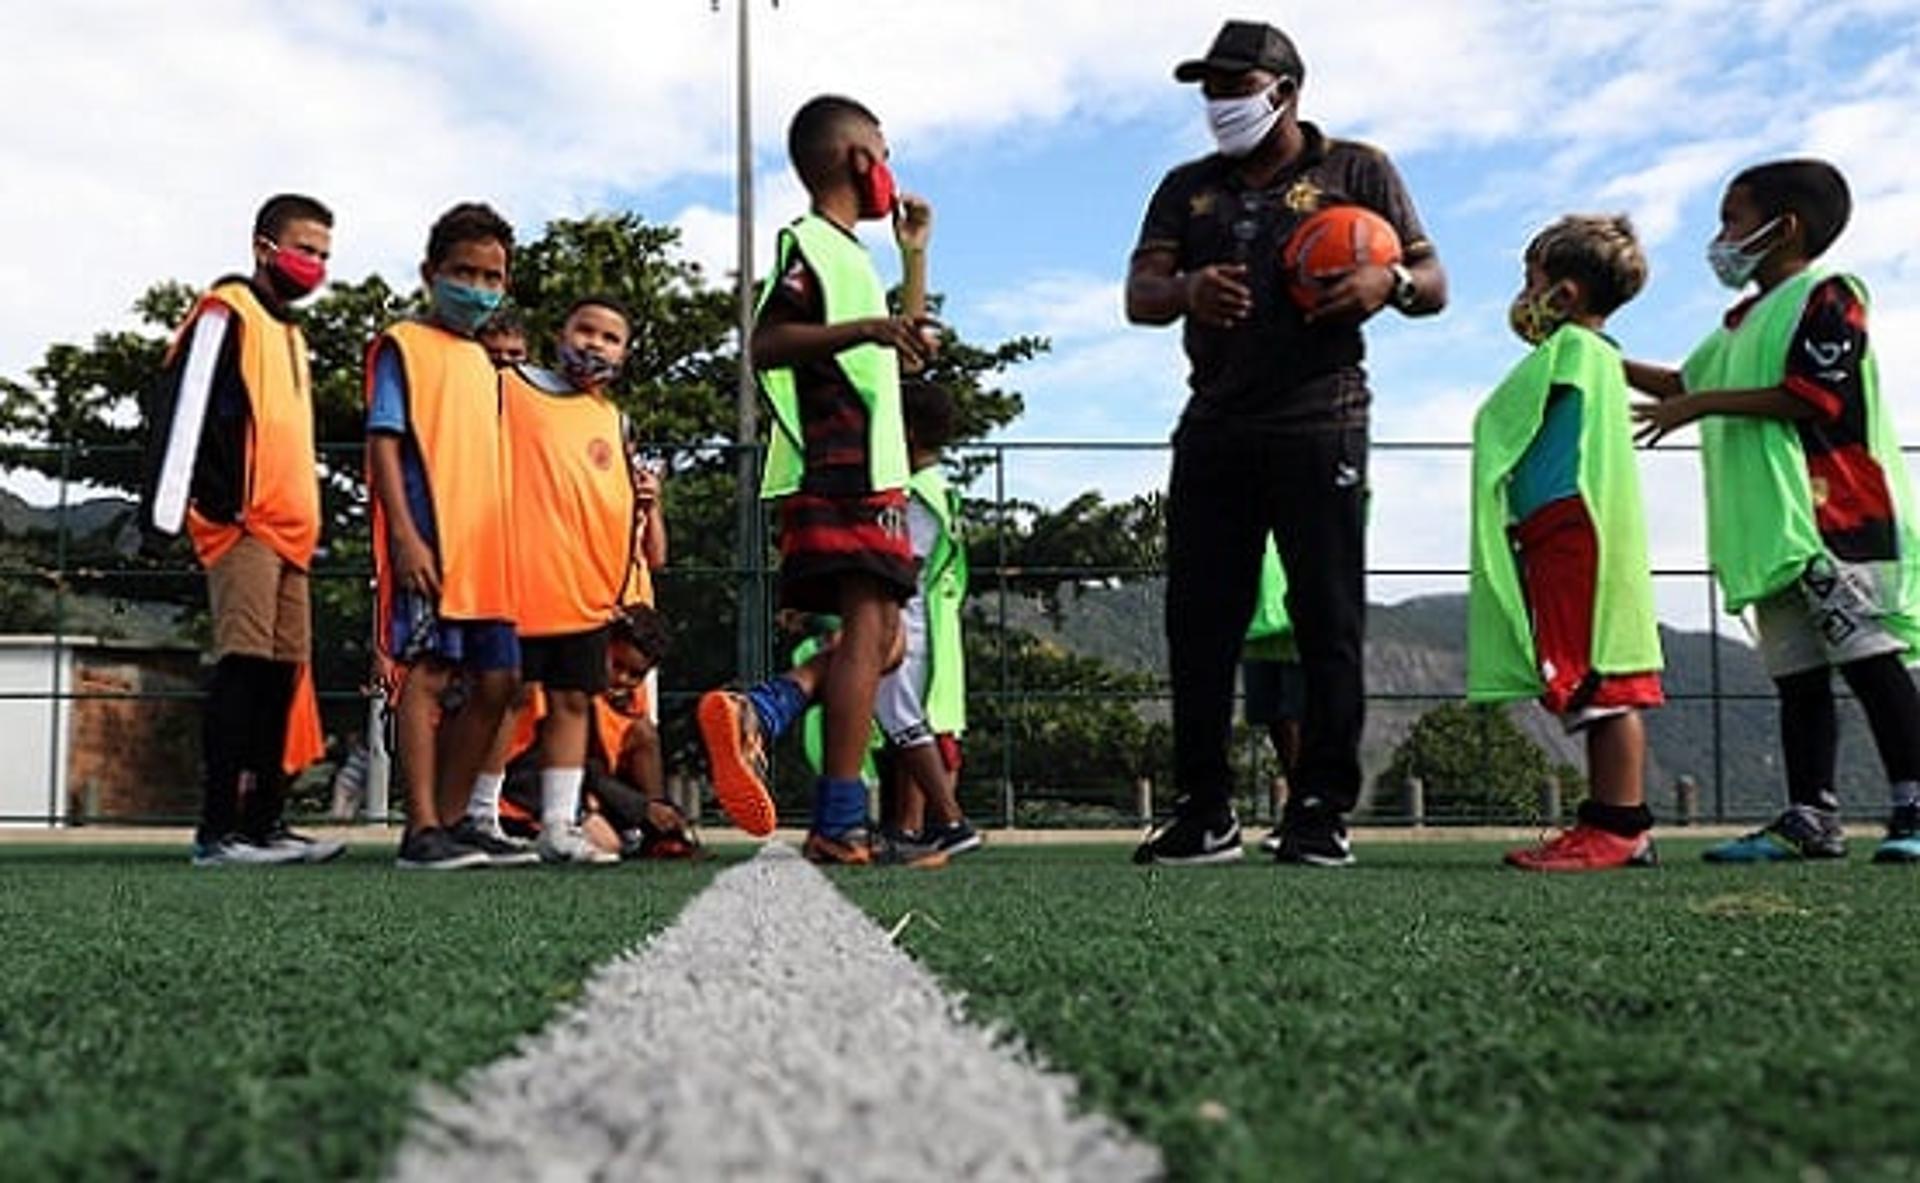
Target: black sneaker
501,850
1314,837
955,838
1193,837
309,849
434,849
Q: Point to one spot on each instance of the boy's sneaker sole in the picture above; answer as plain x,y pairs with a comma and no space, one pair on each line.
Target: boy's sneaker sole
832,852
1898,851
458,862
723,720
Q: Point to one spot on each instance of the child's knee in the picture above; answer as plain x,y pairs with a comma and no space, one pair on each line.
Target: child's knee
495,689
571,703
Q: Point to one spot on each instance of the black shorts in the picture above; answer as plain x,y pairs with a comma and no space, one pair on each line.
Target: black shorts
569,661
825,539
1276,691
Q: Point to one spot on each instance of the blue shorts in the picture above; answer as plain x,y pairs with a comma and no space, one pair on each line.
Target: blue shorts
416,631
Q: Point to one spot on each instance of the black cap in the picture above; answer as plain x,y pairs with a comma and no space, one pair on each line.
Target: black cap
1246,45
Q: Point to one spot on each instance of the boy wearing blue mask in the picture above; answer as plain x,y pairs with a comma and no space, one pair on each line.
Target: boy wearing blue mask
1809,516
438,469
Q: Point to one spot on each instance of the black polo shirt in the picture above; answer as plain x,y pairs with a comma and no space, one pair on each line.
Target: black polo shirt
1273,371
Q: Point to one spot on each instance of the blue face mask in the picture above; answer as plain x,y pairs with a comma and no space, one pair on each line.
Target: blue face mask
461,308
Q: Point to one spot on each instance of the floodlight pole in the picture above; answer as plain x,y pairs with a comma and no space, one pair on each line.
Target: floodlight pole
749,551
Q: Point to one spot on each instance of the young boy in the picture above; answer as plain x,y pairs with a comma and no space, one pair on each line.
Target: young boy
625,789
504,337
443,551
576,516
1275,685
921,705
236,468
1560,599
1809,516
829,357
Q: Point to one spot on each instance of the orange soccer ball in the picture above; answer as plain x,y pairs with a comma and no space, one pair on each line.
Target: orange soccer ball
1330,244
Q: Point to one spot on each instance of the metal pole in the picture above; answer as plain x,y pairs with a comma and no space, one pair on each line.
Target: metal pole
1713,671
56,749
748,554
1006,665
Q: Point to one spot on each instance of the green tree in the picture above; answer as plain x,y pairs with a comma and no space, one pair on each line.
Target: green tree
1475,765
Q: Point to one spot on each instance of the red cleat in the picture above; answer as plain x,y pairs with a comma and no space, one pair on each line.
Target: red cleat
1585,848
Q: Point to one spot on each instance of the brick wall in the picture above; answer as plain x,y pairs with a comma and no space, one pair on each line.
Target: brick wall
133,758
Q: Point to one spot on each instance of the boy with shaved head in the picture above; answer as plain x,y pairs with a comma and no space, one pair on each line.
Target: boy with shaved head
829,355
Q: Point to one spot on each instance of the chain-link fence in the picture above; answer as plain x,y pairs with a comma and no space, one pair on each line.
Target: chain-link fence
101,643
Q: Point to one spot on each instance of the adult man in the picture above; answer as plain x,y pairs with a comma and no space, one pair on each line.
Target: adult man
1274,435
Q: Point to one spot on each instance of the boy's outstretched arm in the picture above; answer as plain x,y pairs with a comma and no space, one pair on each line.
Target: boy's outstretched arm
1662,382
1670,414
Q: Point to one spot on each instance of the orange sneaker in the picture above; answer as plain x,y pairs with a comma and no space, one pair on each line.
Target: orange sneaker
848,850
737,756
1585,848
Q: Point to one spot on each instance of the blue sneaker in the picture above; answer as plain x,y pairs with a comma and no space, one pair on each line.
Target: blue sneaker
1902,843
1800,833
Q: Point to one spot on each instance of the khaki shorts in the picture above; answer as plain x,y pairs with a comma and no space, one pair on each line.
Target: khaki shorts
1830,616
260,606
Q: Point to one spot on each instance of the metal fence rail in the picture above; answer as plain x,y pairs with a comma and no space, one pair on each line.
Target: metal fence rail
999,776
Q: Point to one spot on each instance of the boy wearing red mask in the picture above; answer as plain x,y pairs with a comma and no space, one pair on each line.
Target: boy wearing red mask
235,466
829,354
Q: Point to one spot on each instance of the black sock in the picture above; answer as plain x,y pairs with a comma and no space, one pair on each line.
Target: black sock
1628,821
1887,695
1809,737
272,684
223,736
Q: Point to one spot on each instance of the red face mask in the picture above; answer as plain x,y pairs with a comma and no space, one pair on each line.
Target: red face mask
296,273
877,191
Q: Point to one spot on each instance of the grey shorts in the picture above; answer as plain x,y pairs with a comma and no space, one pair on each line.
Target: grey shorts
1831,616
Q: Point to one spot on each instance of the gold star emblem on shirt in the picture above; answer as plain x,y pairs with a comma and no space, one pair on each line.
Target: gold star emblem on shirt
1200,205
1303,196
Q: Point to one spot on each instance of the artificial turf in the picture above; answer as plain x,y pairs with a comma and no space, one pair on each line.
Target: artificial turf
161,1022
1429,1015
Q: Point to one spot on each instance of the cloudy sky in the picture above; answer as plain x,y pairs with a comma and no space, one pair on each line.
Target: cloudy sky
138,138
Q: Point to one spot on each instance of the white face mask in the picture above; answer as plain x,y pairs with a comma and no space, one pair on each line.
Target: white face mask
1239,125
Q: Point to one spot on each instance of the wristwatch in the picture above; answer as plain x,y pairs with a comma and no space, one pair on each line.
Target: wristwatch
1404,293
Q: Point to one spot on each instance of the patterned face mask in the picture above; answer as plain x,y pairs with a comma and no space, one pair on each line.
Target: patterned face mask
1534,318
585,368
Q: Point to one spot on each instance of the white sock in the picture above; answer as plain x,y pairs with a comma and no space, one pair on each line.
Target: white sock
1905,792
560,797
484,806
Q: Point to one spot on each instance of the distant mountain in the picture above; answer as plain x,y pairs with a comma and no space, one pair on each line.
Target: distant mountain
1416,658
109,519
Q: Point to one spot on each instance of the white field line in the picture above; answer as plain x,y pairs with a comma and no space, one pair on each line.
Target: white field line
772,1032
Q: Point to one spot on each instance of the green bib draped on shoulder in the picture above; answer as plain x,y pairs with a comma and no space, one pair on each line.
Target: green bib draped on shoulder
1761,529
943,582
851,290
1502,664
